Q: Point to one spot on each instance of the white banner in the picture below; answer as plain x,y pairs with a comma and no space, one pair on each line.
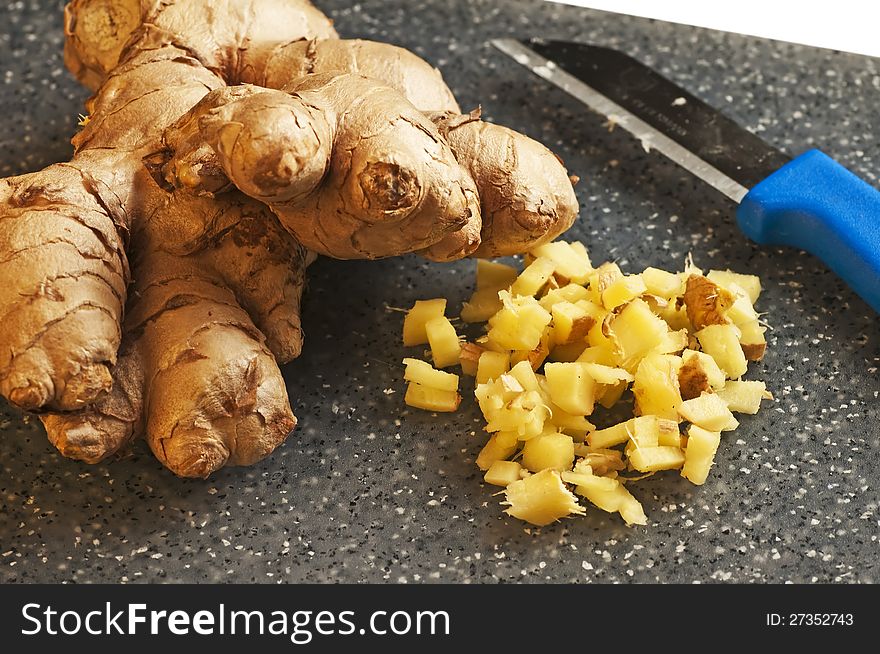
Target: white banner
848,25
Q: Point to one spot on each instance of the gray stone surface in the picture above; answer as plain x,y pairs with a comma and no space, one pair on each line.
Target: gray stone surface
366,491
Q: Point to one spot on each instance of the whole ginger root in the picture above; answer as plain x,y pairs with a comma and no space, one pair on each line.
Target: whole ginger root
152,284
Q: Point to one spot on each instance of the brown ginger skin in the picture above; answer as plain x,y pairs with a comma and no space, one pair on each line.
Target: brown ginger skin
143,308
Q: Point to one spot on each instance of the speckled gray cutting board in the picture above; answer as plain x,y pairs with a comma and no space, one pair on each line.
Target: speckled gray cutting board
368,491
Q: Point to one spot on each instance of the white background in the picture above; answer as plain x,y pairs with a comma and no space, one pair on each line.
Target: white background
848,25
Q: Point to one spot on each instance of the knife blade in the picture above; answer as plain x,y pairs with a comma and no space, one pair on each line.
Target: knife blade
811,202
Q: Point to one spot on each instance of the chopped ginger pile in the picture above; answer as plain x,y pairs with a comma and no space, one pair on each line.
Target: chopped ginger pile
562,336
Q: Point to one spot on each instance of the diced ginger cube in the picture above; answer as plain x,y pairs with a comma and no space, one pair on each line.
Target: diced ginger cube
490,398
622,291
534,357
568,293
469,358
575,426
644,431
636,331
699,455
651,459
672,342
482,305
520,324
414,324
708,411
524,416
533,278
744,396
662,283
551,450
706,302
423,373
503,473
741,311
611,436
698,374
655,389
497,448
445,346
669,435
431,399
607,374
570,259
751,284
571,387
611,496
752,340
491,365
721,342
541,499
525,376
570,323
494,275
601,278
602,355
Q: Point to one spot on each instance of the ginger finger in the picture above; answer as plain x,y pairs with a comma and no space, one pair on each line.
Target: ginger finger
348,166
108,426
421,83
194,336
265,268
65,272
526,195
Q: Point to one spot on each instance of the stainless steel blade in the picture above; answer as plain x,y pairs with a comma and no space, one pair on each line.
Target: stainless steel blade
662,115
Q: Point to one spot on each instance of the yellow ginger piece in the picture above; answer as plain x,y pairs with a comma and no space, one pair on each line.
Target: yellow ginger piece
571,323
445,346
662,283
541,499
503,473
469,358
484,303
699,374
533,278
568,293
636,331
431,399
708,411
491,365
752,340
571,387
494,275
551,450
499,447
623,290
751,284
571,260
721,342
744,396
607,494
652,459
656,387
520,324
700,452
414,332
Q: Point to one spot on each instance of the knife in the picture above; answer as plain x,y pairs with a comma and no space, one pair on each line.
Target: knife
810,202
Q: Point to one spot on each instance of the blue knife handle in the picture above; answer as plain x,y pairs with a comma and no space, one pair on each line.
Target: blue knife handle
815,204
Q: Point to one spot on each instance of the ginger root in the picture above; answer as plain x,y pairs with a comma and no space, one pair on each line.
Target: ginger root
152,284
